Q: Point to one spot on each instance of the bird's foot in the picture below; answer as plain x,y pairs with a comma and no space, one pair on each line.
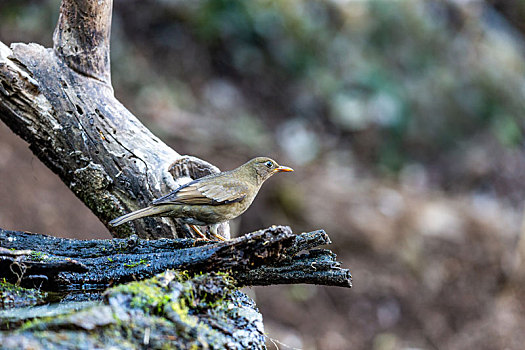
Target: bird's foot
213,231
219,237
203,237
198,232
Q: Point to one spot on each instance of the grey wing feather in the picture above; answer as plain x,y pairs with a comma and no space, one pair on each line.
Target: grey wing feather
231,192
197,192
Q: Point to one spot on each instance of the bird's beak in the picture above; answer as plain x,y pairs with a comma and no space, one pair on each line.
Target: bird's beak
283,169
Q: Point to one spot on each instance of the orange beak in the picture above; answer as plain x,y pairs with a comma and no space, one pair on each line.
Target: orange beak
283,169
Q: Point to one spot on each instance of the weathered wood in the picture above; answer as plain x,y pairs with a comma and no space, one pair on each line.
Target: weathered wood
12,296
263,257
61,102
315,267
81,37
170,311
191,308
75,248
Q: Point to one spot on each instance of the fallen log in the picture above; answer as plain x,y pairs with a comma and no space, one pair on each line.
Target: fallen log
174,293
169,311
269,256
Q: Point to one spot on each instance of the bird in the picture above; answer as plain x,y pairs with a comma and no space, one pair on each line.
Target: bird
213,199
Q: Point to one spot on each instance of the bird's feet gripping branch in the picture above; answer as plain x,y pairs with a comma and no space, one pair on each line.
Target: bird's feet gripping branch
212,199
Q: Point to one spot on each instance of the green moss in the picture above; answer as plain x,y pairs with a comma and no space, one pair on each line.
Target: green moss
183,276
180,308
141,262
146,295
38,256
37,323
6,286
14,296
153,297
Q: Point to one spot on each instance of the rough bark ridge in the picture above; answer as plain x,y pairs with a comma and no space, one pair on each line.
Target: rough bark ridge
61,102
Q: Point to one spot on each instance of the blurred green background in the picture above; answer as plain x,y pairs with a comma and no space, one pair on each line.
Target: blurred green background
404,123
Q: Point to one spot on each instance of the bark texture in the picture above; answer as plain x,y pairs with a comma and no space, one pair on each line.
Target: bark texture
271,256
170,311
198,306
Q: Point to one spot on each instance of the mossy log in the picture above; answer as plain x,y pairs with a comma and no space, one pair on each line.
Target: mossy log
169,311
198,306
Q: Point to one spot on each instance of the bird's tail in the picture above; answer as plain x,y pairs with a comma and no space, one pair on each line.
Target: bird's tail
141,213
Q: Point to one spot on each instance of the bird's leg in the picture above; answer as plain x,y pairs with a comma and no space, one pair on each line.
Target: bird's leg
198,232
213,231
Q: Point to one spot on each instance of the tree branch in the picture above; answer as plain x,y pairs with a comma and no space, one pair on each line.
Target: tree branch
61,102
263,257
81,37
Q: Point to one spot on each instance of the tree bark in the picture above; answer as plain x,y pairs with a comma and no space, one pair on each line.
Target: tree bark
61,102
264,257
194,307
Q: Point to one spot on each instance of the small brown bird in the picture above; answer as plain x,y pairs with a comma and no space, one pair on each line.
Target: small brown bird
212,199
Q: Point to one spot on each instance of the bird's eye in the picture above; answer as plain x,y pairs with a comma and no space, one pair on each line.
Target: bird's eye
269,164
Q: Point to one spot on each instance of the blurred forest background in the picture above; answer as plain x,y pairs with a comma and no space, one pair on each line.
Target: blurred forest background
404,123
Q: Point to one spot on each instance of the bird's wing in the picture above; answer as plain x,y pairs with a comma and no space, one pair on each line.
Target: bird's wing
205,192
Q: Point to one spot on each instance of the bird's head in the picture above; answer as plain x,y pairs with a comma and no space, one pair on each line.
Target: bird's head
261,168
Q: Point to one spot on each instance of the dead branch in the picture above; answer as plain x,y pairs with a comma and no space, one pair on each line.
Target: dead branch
61,102
264,257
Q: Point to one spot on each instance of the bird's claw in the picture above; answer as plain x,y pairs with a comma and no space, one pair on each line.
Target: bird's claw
203,237
198,232
219,237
